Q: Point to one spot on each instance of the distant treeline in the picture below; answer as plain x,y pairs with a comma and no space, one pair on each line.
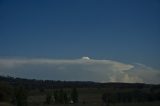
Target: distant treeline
46,84
50,84
131,95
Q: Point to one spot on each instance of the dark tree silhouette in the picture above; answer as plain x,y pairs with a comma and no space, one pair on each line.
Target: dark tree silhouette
105,99
6,91
65,97
20,96
61,96
48,98
74,95
56,99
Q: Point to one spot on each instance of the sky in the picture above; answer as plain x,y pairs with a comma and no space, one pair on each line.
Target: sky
127,31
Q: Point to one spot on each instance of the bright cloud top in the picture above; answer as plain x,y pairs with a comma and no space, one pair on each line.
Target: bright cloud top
84,69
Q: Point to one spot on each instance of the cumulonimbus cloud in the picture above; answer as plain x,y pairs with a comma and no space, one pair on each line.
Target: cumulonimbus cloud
84,69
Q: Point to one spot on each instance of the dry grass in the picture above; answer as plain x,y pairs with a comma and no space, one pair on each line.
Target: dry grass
94,104
90,104
5,104
89,96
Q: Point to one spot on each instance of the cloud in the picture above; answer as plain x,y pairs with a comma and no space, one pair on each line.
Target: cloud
84,69
86,58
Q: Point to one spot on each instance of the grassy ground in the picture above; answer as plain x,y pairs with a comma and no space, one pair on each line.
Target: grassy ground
5,104
91,97
87,97
91,104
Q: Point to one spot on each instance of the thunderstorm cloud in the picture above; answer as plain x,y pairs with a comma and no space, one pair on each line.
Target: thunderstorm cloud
84,69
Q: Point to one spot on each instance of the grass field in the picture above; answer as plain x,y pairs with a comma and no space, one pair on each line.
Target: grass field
92,104
87,97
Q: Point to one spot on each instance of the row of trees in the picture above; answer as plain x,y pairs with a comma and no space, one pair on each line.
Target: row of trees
18,95
31,84
5,91
62,97
130,96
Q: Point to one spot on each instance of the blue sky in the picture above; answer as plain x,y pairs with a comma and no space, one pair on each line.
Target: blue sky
123,30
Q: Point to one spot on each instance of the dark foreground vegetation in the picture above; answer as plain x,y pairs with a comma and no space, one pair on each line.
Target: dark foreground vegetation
31,92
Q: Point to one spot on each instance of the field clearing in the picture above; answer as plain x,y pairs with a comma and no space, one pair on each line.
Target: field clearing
87,97
92,104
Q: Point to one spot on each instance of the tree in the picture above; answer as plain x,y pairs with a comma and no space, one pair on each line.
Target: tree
56,99
6,91
105,99
65,97
48,98
61,96
20,96
74,95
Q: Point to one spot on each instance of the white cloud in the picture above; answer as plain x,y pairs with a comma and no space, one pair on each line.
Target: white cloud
79,69
86,58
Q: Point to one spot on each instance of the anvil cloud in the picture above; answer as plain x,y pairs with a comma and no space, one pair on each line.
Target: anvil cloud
84,69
